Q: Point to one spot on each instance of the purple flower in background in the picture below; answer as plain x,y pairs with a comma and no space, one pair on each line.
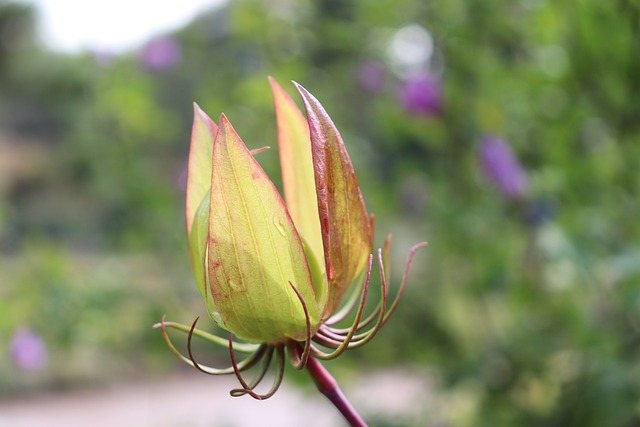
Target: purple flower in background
28,350
371,76
421,95
161,53
502,167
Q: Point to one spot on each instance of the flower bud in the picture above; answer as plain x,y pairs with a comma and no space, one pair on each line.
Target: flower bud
249,251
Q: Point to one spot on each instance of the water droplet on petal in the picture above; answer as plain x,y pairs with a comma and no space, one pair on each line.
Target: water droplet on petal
280,227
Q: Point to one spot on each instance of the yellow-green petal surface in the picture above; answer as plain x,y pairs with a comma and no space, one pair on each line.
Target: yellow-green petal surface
203,133
254,249
294,147
199,168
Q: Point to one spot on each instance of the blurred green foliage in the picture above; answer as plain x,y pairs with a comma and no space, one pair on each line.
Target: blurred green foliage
527,311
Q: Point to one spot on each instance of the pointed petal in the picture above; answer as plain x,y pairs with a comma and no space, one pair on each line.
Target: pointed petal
197,201
297,168
344,222
203,133
294,148
254,249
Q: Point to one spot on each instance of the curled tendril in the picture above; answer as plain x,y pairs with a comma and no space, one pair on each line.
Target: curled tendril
301,361
344,345
361,333
247,363
259,376
328,336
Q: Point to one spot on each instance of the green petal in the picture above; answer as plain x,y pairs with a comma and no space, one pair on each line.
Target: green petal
203,133
198,252
344,221
254,249
197,201
294,148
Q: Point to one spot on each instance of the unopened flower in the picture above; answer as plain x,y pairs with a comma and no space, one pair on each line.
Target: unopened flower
502,167
421,95
28,350
273,274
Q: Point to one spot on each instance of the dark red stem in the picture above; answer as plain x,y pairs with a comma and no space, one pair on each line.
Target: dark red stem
328,386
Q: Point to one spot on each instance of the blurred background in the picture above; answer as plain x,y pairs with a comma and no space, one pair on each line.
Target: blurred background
507,134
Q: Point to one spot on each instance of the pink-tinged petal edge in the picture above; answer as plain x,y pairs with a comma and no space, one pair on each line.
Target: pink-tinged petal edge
345,224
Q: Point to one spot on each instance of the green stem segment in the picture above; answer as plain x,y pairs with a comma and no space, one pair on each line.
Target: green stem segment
328,386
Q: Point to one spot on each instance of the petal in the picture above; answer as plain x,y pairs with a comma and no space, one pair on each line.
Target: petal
197,201
203,133
346,232
254,249
297,175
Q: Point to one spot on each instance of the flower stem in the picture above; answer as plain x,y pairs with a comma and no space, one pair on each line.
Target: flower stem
328,386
